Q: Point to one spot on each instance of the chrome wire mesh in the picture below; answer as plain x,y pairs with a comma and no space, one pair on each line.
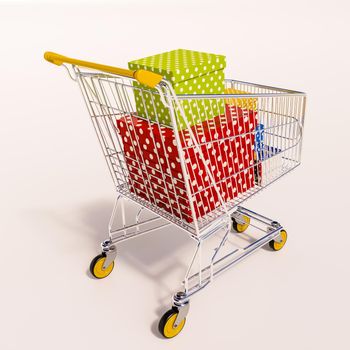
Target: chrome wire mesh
194,176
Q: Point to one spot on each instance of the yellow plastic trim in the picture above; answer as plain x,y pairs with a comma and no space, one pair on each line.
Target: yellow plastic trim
279,245
99,272
145,77
169,330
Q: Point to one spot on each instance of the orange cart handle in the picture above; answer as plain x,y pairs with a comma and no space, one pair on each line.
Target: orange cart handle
145,77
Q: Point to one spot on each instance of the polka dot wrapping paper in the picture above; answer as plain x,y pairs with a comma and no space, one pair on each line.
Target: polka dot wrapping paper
155,173
190,72
248,103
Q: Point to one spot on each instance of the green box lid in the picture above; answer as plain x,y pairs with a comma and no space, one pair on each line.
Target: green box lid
180,65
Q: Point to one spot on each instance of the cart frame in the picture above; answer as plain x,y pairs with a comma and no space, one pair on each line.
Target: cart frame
290,112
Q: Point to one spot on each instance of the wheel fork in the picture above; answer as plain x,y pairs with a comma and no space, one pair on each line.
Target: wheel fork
182,305
275,225
110,251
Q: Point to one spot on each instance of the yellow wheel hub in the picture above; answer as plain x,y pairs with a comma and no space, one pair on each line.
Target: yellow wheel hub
277,245
169,331
98,270
243,227
237,224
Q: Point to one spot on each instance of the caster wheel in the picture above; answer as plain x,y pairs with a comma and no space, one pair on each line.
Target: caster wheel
96,267
279,245
166,324
238,227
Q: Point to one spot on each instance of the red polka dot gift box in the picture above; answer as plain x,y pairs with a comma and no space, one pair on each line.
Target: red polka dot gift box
152,158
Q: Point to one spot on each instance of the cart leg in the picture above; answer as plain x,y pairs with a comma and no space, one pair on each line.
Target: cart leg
121,229
173,321
102,265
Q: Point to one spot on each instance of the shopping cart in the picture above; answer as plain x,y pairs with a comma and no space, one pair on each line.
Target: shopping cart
202,196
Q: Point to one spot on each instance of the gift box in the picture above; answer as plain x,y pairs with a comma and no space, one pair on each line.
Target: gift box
268,158
152,157
269,164
259,138
244,103
161,192
189,72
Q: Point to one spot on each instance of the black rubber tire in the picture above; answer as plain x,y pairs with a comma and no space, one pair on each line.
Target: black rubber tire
234,224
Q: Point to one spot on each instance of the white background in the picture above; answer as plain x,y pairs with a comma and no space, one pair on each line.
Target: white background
56,193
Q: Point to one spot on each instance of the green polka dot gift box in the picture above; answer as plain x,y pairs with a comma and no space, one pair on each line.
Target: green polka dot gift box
190,72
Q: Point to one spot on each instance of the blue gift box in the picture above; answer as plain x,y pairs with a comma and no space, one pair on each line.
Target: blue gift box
259,137
267,152
263,151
